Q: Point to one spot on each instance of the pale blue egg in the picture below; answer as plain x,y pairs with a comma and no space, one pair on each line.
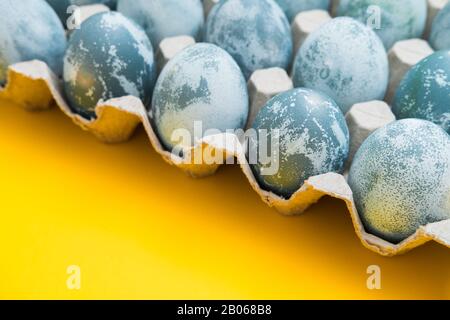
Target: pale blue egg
424,92
313,140
202,85
30,29
440,32
62,6
108,57
391,20
344,59
400,178
255,32
292,7
165,18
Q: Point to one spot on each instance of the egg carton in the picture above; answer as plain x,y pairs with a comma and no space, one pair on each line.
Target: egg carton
33,86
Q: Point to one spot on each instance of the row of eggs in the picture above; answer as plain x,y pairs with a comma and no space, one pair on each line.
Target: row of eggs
401,174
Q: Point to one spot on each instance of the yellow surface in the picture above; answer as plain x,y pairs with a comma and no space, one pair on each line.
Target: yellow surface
139,228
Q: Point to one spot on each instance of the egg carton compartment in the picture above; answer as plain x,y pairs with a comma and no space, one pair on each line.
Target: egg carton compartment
33,86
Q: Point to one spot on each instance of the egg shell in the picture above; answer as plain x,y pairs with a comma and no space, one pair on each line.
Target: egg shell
400,179
344,59
202,83
424,92
165,18
314,139
29,30
293,7
108,57
61,6
399,19
440,31
255,32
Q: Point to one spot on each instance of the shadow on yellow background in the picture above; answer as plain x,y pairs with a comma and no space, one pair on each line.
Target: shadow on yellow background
140,229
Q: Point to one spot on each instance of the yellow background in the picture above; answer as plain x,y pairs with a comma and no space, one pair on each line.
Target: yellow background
140,229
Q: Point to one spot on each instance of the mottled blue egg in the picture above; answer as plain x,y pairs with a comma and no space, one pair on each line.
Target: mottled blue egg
165,18
400,179
344,59
391,20
108,57
424,92
292,7
202,85
61,6
30,29
255,32
313,140
440,32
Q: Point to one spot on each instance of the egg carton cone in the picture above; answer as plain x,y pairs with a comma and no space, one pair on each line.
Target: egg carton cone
434,6
33,86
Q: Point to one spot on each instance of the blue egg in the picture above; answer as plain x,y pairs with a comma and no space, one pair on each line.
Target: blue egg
293,7
313,140
108,57
201,84
165,18
391,20
400,179
424,92
344,59
255,32
30,29
61,6
440,32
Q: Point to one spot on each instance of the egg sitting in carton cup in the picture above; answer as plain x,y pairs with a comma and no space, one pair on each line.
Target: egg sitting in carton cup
398,189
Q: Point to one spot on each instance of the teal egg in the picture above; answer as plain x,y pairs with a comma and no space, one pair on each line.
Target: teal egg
293,7
165,18
400,179
30,29
201,85
108,57
424,92
440,31
391,20
345,60
313,140
61,6
255,32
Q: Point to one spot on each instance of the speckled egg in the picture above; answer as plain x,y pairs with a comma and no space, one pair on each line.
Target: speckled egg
108,57
424,92
165,18
391,20
30,29
313,139
61,6
400,179
440,32
255,32
292,7
201,84
344,59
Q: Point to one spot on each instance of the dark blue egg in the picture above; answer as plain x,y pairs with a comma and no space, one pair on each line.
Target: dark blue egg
440,32
30,29
108,57
400,178
61,6
292,7
255,32
313,140
424,92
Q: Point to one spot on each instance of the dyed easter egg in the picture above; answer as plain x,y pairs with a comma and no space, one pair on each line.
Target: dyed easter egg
424,92
30,29
391,20
255,32
400,179
108,57
440,32
201,85
292,7
61,6
313,140
165,18
344,59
